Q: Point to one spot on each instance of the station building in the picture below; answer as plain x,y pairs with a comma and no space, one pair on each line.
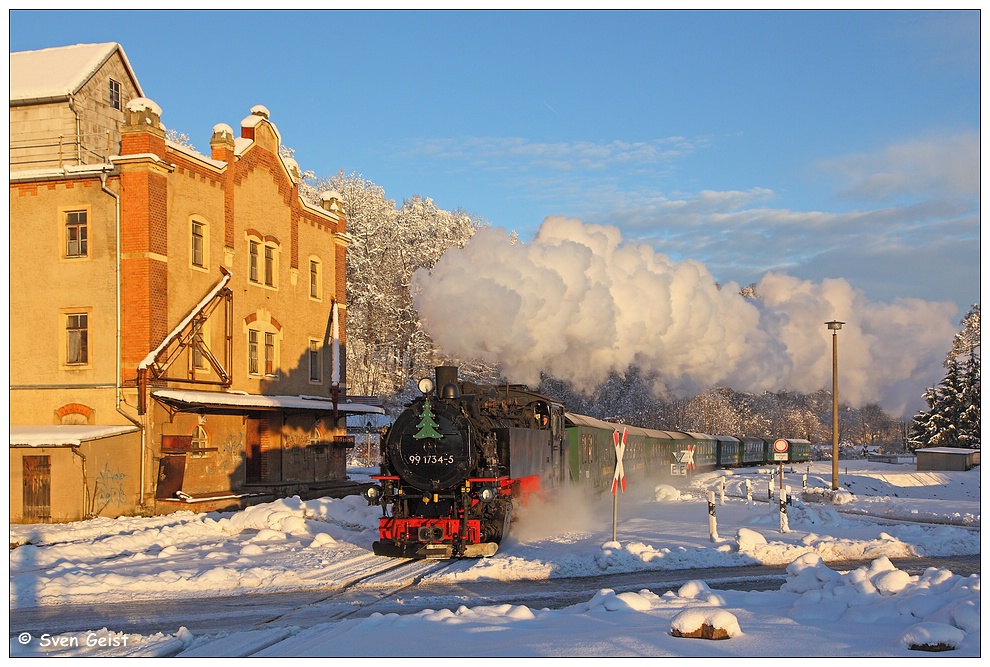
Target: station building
177,319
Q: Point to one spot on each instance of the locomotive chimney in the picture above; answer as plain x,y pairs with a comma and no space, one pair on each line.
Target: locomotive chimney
446,375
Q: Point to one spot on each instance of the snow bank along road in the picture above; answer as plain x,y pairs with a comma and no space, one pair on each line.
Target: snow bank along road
378,592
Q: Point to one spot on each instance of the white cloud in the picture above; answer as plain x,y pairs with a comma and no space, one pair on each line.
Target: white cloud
497,152
941,166
580,302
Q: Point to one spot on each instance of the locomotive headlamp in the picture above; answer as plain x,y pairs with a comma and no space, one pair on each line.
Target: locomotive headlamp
426,385
373,493
486,495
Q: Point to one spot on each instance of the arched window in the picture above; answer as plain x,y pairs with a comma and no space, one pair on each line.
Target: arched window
200,441
263,260
264,339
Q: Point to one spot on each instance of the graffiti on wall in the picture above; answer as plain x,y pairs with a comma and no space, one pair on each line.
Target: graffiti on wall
233,447
109,489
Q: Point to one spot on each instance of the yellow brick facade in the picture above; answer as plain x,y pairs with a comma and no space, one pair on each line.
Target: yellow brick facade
167,228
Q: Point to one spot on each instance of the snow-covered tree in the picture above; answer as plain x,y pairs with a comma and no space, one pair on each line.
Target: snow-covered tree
385,342
711,411
953,415
968,339
969,419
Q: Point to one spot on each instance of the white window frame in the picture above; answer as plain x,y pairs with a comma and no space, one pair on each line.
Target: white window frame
200,442
68,316
315,354
315,279
264,349
114,91
263,262
82,243
204,241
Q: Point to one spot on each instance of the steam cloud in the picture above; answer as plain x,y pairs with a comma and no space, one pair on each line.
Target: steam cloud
579,303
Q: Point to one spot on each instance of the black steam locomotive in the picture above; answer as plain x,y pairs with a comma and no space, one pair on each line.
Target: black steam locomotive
458,457
455,459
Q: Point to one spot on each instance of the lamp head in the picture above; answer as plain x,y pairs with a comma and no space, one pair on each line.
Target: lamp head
834,325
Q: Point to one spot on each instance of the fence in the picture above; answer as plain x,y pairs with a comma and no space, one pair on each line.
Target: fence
62,151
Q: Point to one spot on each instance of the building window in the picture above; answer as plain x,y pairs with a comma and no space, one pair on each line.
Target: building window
263,258
114,94
200,441
269,353
253,351
269,266
76,238
315,281
314,361
198,244
255,246
77,339
262,353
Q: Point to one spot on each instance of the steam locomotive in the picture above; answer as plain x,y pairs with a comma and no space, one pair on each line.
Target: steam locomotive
458,457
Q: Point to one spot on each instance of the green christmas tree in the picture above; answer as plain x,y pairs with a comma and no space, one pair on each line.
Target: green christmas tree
427,427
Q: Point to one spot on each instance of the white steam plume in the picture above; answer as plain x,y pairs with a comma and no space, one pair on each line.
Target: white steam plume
578,303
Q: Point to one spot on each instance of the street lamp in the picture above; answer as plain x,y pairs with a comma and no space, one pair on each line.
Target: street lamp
834,327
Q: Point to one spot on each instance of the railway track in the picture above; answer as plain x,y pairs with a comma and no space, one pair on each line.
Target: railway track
366,581
373,586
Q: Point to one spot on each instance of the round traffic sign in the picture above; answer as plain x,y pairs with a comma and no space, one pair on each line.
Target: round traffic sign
780,445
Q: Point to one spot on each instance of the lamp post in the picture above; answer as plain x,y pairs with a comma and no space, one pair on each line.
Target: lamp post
834,327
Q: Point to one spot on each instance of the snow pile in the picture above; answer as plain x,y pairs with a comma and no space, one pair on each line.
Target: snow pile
880,591
265,548
324,544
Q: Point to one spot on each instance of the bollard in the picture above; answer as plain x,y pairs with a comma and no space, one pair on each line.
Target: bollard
783,512
804,482
787,493
721,498
749,493
770,494
712,528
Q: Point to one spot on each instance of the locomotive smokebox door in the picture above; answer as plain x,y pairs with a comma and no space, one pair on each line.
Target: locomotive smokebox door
432,451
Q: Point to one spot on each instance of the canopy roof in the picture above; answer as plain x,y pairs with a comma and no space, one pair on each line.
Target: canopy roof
234,401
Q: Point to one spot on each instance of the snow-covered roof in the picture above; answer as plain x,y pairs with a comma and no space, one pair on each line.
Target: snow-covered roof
192,153
946,450
64,434
58,72
584,420
192,398
65,171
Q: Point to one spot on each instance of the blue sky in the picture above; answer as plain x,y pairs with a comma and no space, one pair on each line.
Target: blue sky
817,144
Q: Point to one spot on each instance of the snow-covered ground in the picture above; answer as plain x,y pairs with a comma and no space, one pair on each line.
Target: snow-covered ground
822,610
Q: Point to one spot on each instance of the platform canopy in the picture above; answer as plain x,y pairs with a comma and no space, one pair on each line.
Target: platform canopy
227,401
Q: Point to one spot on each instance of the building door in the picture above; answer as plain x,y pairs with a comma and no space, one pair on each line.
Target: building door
171,472
253,468
37,488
